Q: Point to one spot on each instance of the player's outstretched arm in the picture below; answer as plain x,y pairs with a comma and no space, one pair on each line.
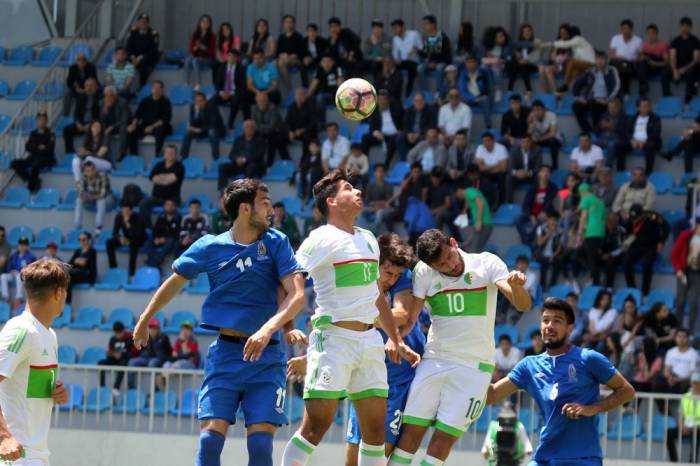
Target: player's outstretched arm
622,392
10,449
395,347
500,390
167,291
514,288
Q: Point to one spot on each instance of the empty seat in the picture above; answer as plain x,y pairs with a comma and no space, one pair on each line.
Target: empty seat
200,285
506,329
99,399
194,167
87,319
4,118
293,205
67,354
4,312
22,90
662,181
682,187
75,397
693,108
46,198
212,172
673,215
68,202
93,355
530,419
359,131
181,94
120,314
398,172
177,319
188,406
143,93
516,251
113,279
625,428
587,297
160,317
145,279
668,107
72,240
621,178
560,291
131,165
72,53
281,170
47,56
506,214
162,402
659,425
659,295
18,56
525,342
130,402
65,165
565,105
19,231
65,318
4,90
622,294
16,198
48,235
179,132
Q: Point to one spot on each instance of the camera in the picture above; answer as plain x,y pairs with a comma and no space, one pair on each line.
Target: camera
506,437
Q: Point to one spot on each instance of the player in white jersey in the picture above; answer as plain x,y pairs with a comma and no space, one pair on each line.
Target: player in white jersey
346,353
29,367
450,386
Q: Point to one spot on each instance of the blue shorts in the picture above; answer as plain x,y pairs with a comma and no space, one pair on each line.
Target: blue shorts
256,387
395,404
588,461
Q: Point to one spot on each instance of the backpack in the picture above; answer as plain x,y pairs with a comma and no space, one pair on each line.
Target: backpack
131,195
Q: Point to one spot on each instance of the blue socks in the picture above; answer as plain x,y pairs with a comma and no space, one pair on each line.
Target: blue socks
260,449
211,443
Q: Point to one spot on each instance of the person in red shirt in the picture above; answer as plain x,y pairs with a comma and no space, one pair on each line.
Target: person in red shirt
685,259
653,59
202,50
186,350
119,350
538,201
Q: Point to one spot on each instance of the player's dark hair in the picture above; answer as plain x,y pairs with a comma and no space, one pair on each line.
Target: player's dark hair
43,276
558,304
393,250
327,187
429,245
241,192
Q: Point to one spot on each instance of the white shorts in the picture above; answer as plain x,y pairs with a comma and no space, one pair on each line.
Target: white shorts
344,363
448,395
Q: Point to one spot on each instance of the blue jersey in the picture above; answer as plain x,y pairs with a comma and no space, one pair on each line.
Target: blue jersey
243,279
573,377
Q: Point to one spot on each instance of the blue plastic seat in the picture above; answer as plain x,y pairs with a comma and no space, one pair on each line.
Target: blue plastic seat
662,181
5,119
682,188
16,198
359,131
68,202
72,53
560,291
212,172
170,58
622,293
507,214
100,243
693,108
65,318
75,397
281,170
93,355
659,295
72,240
506,329
516,250
18,56
588,296
65,165
565,105
181,94
107,60
177,319
668,107
113,279
659,425
22,90
293,205
208,206
625,428
621,178
19,231
120,314
200,285
525,342
398,172
549,101
188,407
145,279
46,198
143,93
4,312
179,132
131,165
630,105
673,215
47,56
194,167
559,177
24,126
130,402
99,399
87,319
162,402
67,354
160,317
48,235
4,91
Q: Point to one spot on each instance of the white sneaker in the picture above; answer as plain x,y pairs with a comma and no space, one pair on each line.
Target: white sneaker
116,393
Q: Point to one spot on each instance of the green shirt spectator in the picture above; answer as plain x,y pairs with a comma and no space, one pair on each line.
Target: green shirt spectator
475,197
594,209
286,224
220,223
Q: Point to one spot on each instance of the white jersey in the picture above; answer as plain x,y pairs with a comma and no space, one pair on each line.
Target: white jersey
29,362
344,268
462,309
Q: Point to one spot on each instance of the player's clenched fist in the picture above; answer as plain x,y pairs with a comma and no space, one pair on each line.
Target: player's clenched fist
296,336
141,334
408,354
577,410
296,369
60,393
10,449
516,278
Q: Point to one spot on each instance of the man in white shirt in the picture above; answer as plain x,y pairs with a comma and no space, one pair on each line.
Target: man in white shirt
625,50
384,126
679,364
430,153
492,159
507,356
334,149
645,133
404,49
453,116
587,158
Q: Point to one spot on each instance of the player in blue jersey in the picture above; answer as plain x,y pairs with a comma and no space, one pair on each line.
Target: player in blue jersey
565,383
245,365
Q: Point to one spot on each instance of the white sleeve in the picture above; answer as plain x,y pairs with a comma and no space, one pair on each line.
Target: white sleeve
315,251
442,117
326,150
421,280
496,267
598,153
613,43
345,142
467,118
395,48
15,347
479,155
418,43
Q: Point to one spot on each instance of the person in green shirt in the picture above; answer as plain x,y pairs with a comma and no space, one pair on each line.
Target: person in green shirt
315,221
220,221
591,228
480,227
287,224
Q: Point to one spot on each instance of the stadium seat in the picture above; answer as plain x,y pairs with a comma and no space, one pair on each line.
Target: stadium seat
194,167
46,198
502,105
621,178
113,279
130,402
281,170
99,399
107,59
622,293
179,132
68,202
212,172
668,107
181,94
160,317
131,165
171,58
65,165
494,132
67,354
673,215
492,248
145,279
18,56
398,172
659,425
624,428
93,355
162,402
4,312
22,90
549,101
659,295
47,56
73,52
200,285
588,296
517,250
48,235
4,90
210,91
72,241
506,214
505,329
188,407
120,314
559,176
24,126
359,131
525,336
663,265
682,187
16,198
293,205
75,397
630,105
208,206
65,318
17,232
487,415
662,181
87,319
177,319
4,118
693,108
560,291
143,93
565,105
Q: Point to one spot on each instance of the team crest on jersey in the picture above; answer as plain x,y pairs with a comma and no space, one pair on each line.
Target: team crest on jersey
572,373
262,251
468,278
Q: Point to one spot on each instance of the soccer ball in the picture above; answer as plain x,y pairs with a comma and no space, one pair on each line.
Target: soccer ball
356,99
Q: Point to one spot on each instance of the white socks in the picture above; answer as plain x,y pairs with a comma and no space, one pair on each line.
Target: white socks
371,455
400,458
431,461
298,451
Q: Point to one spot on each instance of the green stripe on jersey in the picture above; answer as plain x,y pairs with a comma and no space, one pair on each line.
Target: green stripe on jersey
359,272
42,381
459,302
18,338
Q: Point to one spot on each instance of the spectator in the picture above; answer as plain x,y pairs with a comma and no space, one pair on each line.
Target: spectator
644,133
40,148
95,149
647,366
592,229
524,163
128,231
558,59
194,225
648,232
568,198
601,319
93,189
290,48
613,248
310,169
142,48
247,156
357,163
612,134
378,214
685,258
636,191
507,356
480,226
390,78
334,149
532,284
542,125
612,349
5,249
538,201
202,50
314,222
684,56
205,121
405,49
548,240
227,41
661,326
115,116
384,126
625,50
167,176
78,73
536,344
262,40
329,75
593,90
689,422
375,48
262,77
429,153
83,264
231,86
586,159
689,145
458,158
17,261
120,74
286,224
476,88
344,45
453,116
478,180
523,447
451,80
166,234
301,119
436,52
465,42
417,120
118,353
514,123
152,118
583,56
679,363
492,159
440,202
314,47
416,184
629,325
653,60
156,352
270,125
581,321
221,222
186,350
51,252
87,109
524,60
497,51
604,189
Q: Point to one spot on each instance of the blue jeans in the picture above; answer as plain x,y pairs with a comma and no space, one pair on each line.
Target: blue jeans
424,70
141,361
214,140
486,106
157,254
195,64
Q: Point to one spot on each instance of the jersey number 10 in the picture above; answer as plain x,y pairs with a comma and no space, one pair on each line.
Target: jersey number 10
455,301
